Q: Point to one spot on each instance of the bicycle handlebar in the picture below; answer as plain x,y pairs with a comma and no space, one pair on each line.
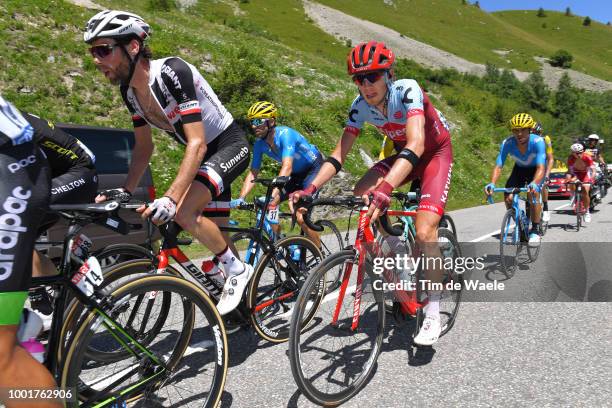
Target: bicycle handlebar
350,201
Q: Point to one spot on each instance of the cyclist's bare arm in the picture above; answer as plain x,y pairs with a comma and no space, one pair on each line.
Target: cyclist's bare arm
340,152
539,175
248,184
143,149
415,135
495,174
549,163
286,170
194,153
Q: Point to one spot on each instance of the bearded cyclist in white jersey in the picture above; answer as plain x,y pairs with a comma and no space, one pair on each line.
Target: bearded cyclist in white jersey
170,94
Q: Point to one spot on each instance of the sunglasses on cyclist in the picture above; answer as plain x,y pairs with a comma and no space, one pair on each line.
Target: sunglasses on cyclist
371,77
258,122
102,51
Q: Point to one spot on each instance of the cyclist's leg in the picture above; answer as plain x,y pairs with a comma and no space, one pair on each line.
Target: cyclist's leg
226,158
374,176
435,174
518,178
24,191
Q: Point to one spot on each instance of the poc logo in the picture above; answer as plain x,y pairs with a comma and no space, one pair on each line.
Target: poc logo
10,228
13,167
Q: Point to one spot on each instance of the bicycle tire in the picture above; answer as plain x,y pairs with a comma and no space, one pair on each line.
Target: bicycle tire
115,254
194,300
74,311
447,222
365,363
249,258
268,324
455,295
326,249
509,267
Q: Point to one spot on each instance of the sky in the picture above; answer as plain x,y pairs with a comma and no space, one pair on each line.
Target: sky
600,10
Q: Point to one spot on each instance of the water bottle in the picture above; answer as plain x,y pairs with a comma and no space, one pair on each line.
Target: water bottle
81,245
213,272
29,328
295,251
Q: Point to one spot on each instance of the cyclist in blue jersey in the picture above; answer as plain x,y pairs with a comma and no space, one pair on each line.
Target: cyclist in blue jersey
300,160
529,153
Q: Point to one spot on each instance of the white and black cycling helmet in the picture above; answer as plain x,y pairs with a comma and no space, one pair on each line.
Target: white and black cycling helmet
593,137
116,24
577,148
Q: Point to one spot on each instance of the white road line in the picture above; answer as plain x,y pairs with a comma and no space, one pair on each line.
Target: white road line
485,236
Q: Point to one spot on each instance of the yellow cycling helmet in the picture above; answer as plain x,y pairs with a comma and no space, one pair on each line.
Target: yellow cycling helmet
262,110
522,121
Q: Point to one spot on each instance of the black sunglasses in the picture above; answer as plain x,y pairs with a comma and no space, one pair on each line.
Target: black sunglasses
102,51
370,76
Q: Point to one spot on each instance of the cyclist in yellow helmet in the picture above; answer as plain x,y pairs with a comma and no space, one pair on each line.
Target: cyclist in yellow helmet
299,159
529,153
550,160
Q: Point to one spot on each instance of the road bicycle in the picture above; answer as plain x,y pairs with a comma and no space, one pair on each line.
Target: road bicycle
578,203
333,358
330,237
273,288
514,231
179,360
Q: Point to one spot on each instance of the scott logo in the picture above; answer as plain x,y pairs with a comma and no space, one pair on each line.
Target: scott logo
10,228
14,167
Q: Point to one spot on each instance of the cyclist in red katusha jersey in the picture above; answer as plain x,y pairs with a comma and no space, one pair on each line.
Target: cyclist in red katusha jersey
401,111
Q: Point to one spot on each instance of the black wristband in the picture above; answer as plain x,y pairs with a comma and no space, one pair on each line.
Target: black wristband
334,163
410,156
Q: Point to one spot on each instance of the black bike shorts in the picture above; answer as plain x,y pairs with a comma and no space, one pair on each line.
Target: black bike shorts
24,198
521,176
79,185
227,157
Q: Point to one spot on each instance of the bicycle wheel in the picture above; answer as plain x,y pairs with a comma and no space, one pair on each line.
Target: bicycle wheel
276,283
448,223
188,358
450,299
331,242
331,362
117,253
113,279
578,212
509,244
244,240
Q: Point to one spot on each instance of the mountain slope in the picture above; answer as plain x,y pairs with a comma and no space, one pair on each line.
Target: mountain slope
476,35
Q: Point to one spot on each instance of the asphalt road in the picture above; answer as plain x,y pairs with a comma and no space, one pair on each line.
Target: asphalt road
552,351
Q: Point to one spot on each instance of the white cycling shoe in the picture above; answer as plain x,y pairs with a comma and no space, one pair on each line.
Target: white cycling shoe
233,289
430,331
546,216
587,217
534,238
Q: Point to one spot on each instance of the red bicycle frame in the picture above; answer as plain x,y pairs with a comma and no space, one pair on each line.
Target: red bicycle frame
365,240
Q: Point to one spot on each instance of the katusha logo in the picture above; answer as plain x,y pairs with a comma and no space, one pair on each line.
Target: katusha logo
398,115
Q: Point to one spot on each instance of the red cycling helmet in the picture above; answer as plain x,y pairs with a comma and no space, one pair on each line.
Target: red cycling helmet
370,56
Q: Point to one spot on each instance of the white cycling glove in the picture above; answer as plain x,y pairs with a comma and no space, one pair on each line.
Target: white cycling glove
164,209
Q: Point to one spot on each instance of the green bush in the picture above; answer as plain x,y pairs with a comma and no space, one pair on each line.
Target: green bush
161,5
561,58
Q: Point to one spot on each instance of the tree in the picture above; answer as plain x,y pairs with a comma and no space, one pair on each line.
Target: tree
477,4
464,2
536,91
561,58
541,12
565,99
587,21
568,12
609,24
